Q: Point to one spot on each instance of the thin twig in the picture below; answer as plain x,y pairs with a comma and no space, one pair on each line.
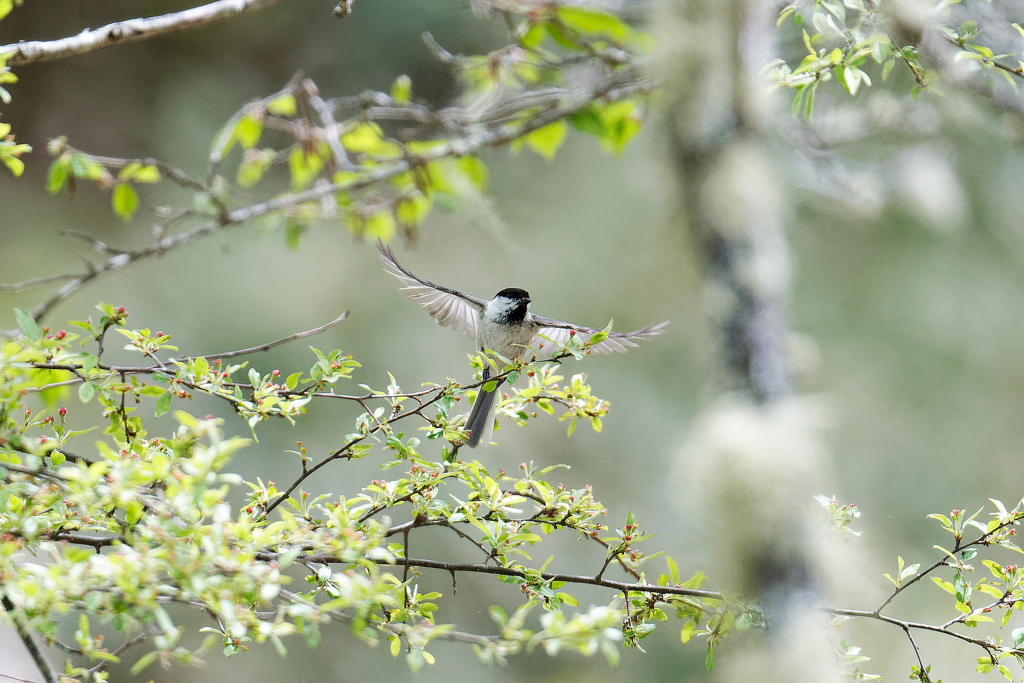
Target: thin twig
34,282
135,640
131,31
284,340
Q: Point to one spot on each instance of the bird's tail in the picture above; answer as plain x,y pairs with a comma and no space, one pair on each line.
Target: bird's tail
480,422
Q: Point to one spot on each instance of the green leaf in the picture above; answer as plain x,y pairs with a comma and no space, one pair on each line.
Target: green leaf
293,230
144,661
709,658
249,130
5,7
559,37
84,166
16,165
594,22
138,173
163,404
293,380
546,141
475,170
254,165
125,200
411,211
588,121
27,324
305,165
622,122
57,176
401,89
533,37
673,570
87,391
381,225
282,106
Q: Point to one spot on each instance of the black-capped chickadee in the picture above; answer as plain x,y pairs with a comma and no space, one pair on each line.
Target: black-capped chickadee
503,325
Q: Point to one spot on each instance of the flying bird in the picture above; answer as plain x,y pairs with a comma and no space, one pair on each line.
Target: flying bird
503,325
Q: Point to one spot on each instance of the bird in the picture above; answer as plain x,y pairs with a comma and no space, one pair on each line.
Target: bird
503,325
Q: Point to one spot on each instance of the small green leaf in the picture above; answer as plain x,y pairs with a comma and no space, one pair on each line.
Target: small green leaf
163,404
546,141
27,324
305,165
411,211
475,170
57,176
401,89
16,165
588,121
249,130
125,200
293,230
138,173
381,225
147,174
282,106
594,22
533,37
254,165
87,391
709,658
144,661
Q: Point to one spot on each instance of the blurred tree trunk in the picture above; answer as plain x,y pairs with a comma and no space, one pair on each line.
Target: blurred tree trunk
730,196
755,454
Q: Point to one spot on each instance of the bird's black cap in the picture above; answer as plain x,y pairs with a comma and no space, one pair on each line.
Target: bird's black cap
515,294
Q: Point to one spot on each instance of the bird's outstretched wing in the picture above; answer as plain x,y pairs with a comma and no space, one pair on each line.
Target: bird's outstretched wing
449,307
618,342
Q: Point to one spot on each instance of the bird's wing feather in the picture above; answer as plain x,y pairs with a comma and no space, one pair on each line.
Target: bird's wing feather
449,307
617,342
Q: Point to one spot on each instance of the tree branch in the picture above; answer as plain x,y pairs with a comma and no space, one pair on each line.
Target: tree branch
49,673
906,625
521,573
285,340
130,31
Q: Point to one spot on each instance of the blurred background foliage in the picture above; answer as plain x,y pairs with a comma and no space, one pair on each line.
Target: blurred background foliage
908,291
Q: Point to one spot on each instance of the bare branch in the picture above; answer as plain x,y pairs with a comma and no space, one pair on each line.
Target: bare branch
131,31
285,340
34,282
117,262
